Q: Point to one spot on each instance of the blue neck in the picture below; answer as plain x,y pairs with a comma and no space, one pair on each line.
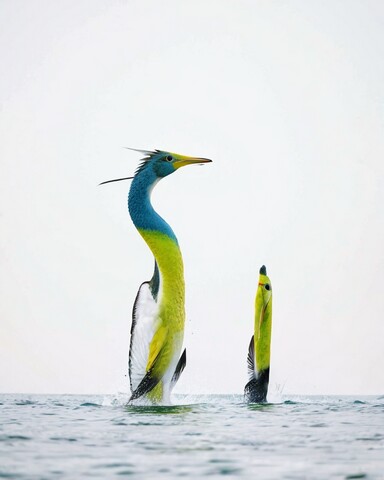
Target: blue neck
139,204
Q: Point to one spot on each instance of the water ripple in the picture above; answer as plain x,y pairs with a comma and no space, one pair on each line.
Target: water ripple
71,436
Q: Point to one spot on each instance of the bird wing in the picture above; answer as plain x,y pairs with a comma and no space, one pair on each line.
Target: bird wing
150,379
153,375
251,359
144,326
256,389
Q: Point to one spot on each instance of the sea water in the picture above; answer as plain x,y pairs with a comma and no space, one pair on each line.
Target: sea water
73,437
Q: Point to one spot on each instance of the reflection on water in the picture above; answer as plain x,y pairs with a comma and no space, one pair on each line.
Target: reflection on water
260,407
158,409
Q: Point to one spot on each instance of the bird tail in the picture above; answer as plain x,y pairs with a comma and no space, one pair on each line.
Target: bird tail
179,368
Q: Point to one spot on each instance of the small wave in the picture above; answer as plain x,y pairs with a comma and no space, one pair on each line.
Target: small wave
113,465
64,439
8,475
25,402
374,438
5,438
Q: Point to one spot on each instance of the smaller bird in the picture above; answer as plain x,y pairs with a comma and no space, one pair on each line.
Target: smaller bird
259,351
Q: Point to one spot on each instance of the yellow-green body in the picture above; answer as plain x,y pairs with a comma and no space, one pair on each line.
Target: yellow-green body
259,350
263,323
171,315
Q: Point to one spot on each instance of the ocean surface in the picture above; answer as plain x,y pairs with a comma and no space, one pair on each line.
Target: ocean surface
85,436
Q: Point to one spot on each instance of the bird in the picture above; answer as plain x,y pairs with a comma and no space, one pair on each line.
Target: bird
258,359
158,315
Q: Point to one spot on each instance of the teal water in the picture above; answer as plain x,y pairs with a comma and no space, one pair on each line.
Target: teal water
73,436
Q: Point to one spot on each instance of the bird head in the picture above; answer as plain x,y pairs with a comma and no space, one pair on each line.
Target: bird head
162,163
264,290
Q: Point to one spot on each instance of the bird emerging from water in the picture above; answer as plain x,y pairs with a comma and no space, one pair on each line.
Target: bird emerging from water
158,315
260,346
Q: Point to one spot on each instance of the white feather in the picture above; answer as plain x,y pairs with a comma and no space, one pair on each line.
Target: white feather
147,322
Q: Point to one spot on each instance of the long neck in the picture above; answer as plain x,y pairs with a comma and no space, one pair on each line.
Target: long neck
163,243
140,208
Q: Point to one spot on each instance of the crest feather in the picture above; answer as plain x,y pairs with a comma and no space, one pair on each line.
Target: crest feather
149,154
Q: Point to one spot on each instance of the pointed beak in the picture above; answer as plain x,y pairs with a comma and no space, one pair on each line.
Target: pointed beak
182,160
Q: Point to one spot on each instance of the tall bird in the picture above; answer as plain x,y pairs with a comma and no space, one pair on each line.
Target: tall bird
260,346
158,314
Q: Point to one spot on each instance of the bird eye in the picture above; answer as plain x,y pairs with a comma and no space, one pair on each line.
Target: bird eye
169,158
267,286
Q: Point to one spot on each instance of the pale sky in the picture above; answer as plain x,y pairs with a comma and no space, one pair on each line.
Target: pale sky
287,99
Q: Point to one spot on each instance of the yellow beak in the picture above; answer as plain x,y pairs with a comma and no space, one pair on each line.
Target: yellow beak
181,160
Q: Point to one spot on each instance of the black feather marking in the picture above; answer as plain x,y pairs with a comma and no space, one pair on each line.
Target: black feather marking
256,390
251,359
179,368
147,384
263,270
149,381
154,283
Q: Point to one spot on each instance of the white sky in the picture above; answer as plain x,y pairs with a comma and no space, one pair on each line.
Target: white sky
285,96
